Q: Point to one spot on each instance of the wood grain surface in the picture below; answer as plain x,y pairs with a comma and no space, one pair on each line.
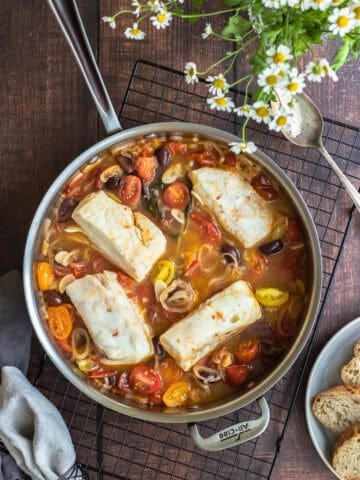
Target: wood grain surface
47,118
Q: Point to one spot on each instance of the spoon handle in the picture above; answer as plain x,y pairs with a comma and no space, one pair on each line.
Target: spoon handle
349,187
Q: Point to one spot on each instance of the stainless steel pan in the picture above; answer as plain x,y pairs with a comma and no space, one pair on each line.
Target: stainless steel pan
68,17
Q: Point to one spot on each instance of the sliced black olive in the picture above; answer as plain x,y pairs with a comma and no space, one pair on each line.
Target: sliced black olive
126,163
111,381
158,348
113,182
66,208
272,247
231,253
52,297
162,155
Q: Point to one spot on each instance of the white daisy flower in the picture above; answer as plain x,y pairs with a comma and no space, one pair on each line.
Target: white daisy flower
270,78
314,72
278,55
292,3
162,19
217,84
295,82
324,64
238,147
134,32
274,3
355,9
208,31
243,111
281,121
261,112
342,20
221,103
154,5
316,4
137,6
110,21
191,73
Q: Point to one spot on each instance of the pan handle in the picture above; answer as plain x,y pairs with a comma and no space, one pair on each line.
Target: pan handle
68,16
234,435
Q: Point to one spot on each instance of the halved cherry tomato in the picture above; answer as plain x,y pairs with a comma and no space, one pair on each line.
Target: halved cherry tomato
175,147
146,167
176,394
145,380
247,351
124,280
263,187
130,190
210,231
236,374
230,159
44,275
293,233
176,195
203,157
79,269
60,322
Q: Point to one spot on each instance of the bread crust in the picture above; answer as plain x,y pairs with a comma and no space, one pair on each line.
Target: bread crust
350,435
357,349
346,376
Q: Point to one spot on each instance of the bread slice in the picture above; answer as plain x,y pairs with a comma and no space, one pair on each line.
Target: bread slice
357,349
346,456
350,373
338,408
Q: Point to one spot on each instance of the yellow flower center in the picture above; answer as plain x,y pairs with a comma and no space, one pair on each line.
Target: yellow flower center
192,72
357,13
281,121
221,101
218,83
135,31
326,70
342,21
336,1
245,109
279,58
293,87
262,112
271,80
161,17
319,1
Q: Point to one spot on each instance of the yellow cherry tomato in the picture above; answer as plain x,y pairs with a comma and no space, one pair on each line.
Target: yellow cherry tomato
44,275
271,297
176,394
164,271
60,322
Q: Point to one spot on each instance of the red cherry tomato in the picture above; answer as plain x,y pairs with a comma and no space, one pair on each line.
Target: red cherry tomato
202,157
145,380
175,147
263,187
176,195
210,231
236,374
130,190
146,167
247,351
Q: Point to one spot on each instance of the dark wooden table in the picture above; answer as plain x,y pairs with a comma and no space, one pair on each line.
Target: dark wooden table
47,118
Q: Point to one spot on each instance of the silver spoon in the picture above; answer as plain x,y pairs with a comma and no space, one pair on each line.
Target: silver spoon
306,127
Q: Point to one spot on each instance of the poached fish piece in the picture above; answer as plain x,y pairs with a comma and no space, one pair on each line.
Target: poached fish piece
114,322
235,204
220,317
129,240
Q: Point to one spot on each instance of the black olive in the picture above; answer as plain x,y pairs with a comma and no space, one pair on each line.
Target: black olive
126,163
66,208
111,381
231,253
53,297
163,156
113,182
271,248
158,348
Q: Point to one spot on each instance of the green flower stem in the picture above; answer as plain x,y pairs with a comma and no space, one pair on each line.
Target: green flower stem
198,15
243,129
247,88
222,59
241,80
121,12
238,52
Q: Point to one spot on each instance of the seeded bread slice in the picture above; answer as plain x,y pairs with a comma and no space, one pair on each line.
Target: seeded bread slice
338,408
350,373
346,456
357,349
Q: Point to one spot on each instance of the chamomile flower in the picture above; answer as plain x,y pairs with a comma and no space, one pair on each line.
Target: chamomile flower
238,147
137,6
154,5
316,4
314,72
134,32
324,64
342,20
208,31
191,73
355,9
278,55
270,78
217,84
221,103
243,111
261,112
295,82
274,3
162,19
280,121
110,21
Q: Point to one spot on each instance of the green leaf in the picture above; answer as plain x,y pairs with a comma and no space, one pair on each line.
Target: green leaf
257,94
341,55
237,27
258,62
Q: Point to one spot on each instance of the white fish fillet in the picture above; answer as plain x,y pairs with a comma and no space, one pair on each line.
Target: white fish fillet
234,203
129,240
220,317
114,322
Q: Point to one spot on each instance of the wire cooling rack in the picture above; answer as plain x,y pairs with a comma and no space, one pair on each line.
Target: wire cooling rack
113,446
